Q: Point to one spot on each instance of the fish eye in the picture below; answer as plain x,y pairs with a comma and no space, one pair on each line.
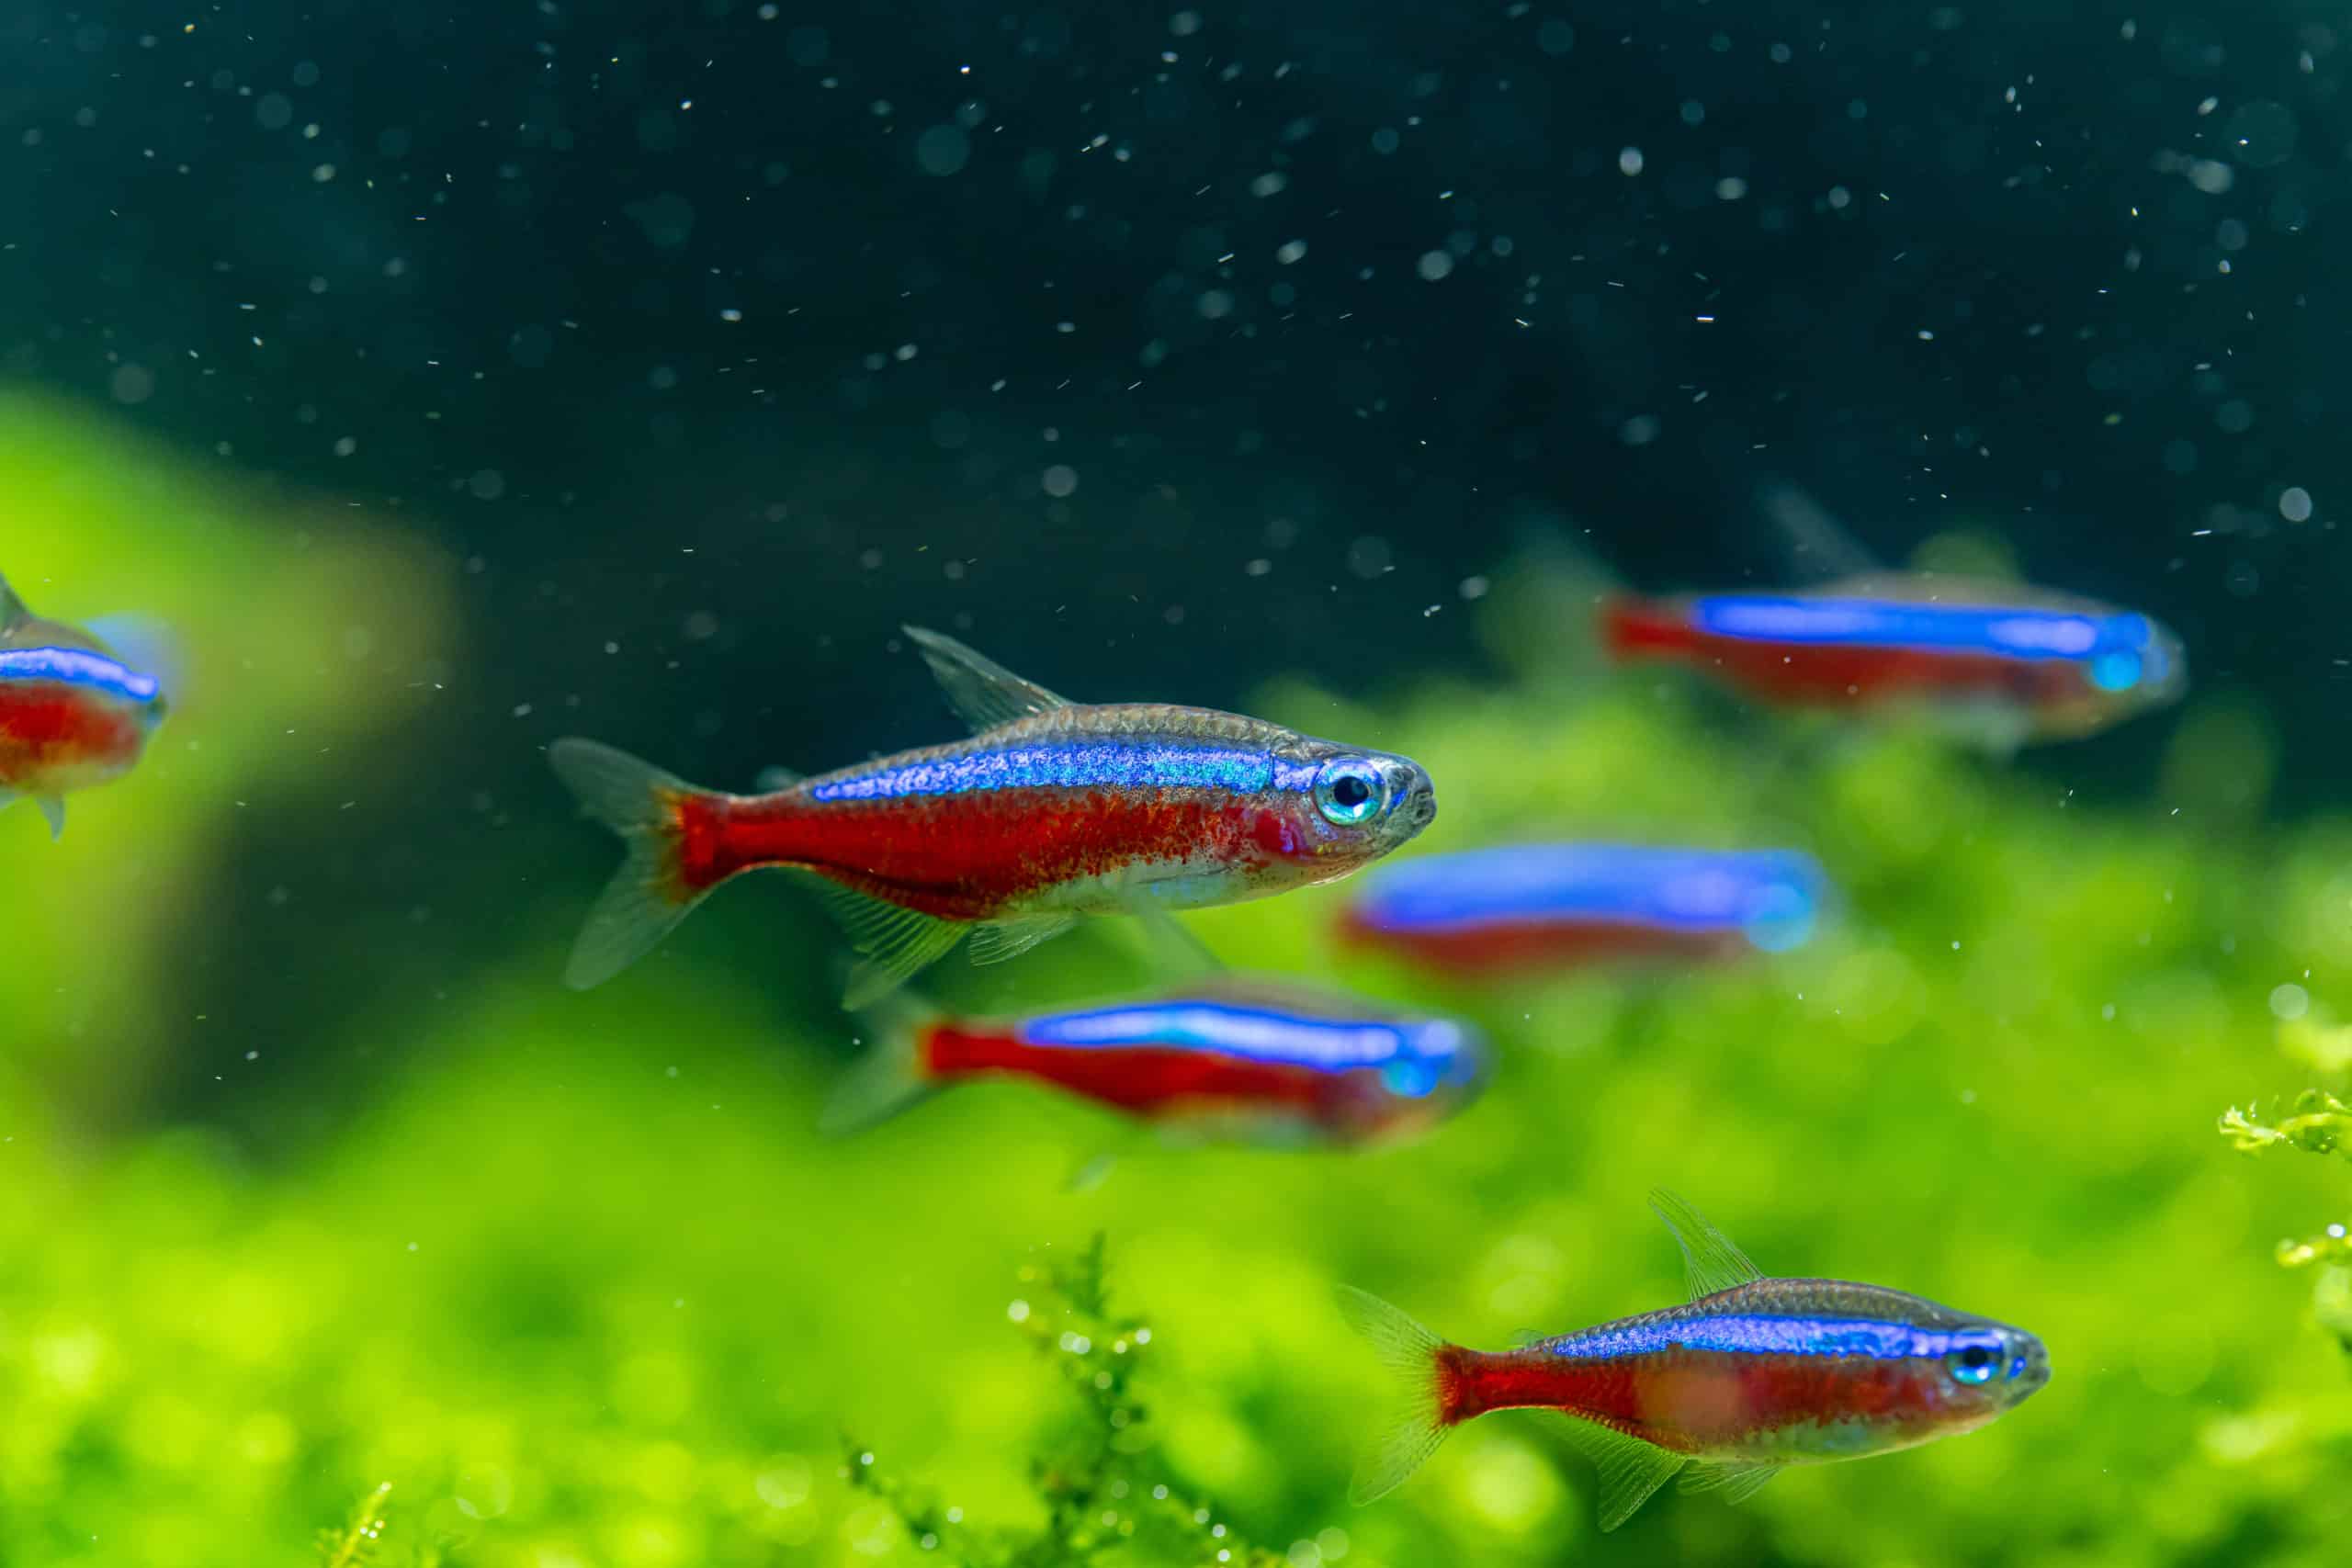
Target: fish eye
2116,671
1972,1366
1409,1078
1350,791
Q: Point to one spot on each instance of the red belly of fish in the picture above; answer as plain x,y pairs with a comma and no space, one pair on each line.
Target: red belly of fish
1504,945
1143,1080
1690,1401
960,857
44,727
1827,673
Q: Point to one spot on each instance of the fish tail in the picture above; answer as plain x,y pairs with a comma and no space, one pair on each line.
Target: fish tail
1418,1415
1634,628
651,893
893,1076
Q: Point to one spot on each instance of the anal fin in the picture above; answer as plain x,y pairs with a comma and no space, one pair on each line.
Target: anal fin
999,940
896,942
1628,1469
1735,1479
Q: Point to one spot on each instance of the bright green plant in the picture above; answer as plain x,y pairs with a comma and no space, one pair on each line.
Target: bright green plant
1100,1479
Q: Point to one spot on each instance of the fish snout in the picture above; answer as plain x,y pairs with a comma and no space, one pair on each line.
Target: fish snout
2029,1365
1415,795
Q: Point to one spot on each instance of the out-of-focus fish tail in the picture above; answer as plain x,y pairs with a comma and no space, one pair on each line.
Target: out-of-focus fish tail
649,894
1633,627
892,1076
1415,1420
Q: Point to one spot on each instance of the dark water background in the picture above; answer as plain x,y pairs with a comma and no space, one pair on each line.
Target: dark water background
2058,272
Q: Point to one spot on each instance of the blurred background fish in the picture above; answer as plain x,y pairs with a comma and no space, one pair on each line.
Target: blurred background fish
1223,1060
1544,905
72,714
1999,664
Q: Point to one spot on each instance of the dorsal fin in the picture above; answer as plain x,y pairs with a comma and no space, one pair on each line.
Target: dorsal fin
1817,548
982,691
13,612
1710,1261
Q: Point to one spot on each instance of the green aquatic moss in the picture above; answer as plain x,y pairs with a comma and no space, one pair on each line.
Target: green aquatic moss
575,1278
1098,1481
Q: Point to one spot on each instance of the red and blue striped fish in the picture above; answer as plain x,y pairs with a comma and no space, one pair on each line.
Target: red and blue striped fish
1249,1061
2000,664
1535,907
1052,810
72,714
1748,1376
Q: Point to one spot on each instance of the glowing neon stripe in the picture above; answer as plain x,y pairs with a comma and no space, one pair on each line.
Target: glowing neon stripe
1759,1334
2007,631
1078,764
1772,895
1254,1034
78,667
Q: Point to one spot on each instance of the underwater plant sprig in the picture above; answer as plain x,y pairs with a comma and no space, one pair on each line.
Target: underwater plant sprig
1098,1503
359,1542
2318,1125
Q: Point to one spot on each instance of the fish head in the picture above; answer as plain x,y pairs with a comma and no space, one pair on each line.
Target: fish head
1438,1069
1982,1369
1342,807
2136,664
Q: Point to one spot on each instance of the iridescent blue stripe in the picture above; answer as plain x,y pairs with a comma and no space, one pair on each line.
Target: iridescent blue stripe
1071,764
1256,1034
1772,895
1757,1335
77,667
2008,631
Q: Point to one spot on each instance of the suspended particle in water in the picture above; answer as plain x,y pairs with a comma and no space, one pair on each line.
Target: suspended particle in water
942,150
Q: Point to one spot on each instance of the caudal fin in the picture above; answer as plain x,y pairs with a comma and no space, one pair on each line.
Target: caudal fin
889,1078
648,896
1413,1424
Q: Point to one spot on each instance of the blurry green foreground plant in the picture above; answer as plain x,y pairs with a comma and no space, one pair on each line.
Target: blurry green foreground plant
1097,1478
360,1541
